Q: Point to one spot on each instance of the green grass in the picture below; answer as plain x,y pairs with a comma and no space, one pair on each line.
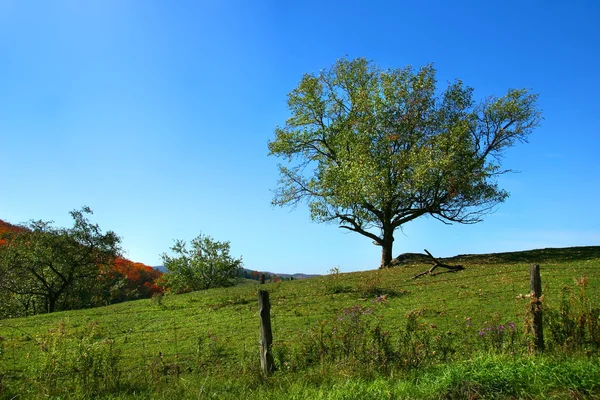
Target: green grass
205,344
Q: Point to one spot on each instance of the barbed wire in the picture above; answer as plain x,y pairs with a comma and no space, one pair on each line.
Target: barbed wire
508,291
183,337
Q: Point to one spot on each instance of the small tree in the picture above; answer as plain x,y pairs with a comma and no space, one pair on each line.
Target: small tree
57,267
373,149
206,265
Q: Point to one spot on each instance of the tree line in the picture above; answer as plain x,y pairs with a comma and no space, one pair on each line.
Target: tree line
44,268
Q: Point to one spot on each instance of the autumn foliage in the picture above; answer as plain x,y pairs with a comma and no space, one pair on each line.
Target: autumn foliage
6,228
122,280
137,280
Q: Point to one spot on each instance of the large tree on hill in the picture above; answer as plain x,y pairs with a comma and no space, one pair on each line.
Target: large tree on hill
373,149
49,265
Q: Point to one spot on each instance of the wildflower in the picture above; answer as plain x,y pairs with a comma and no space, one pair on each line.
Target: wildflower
501,328
381,299
511,325
469,321
482,333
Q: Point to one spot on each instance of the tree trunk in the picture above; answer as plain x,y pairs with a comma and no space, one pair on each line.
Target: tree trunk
386,248
51,301
51,304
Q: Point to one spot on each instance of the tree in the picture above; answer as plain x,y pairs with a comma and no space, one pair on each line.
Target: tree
373,149
126,280
206,265
58,267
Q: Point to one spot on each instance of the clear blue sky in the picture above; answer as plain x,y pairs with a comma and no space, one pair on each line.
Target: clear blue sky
157,114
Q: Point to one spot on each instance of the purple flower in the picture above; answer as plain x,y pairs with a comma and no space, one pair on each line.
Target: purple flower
482,333
511,325
501,328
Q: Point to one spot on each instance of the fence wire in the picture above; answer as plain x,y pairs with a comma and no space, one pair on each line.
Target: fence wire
200,329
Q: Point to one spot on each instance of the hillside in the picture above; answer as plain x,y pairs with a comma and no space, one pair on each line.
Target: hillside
188,336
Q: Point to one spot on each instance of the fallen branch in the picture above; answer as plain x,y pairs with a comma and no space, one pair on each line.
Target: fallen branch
436,264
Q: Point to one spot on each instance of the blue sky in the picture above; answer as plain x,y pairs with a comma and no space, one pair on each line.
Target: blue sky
157,114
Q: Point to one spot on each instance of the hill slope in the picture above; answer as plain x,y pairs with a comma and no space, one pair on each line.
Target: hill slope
218,328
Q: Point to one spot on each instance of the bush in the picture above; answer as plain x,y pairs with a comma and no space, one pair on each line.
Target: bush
206,265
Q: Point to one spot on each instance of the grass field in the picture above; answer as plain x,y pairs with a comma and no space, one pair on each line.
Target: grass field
375,334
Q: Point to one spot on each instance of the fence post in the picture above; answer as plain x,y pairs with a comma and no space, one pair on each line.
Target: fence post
262,279
536,308
266,336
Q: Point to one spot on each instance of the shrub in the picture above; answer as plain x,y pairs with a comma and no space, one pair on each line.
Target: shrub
206,265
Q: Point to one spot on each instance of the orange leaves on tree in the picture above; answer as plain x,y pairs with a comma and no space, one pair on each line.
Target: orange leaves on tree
138,276
5,227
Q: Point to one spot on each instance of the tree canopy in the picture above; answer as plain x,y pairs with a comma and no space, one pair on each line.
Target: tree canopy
373,149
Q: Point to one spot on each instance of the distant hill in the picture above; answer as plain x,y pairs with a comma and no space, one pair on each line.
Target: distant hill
298,276
255,275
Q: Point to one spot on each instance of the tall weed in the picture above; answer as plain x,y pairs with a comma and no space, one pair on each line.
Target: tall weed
574,325
77,361
354,340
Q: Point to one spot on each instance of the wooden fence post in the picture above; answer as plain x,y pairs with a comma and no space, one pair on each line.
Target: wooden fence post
262,279
536,308
266,336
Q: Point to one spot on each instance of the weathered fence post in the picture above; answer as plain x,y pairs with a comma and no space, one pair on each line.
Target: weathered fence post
262,279
536,308
266,336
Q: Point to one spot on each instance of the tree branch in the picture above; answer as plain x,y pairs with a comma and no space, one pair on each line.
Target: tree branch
356,227
436,264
